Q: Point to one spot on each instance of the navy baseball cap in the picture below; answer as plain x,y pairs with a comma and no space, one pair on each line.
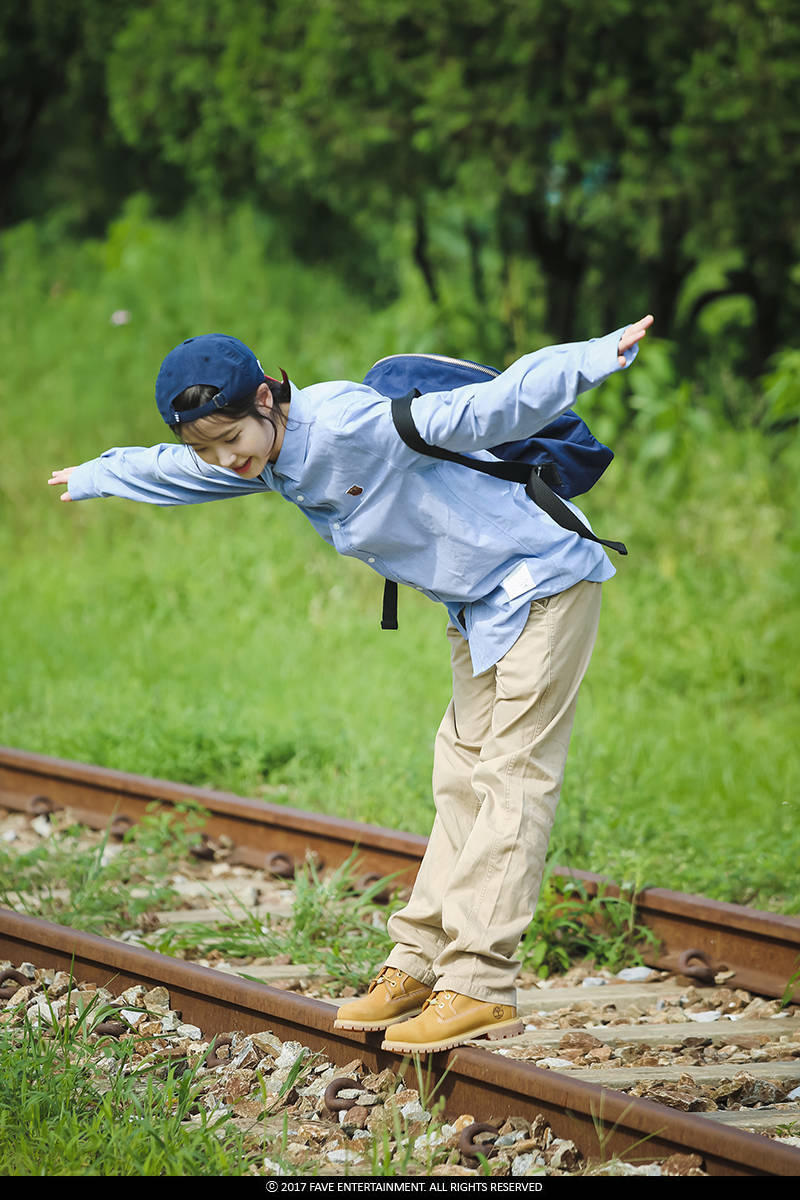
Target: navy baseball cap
214,359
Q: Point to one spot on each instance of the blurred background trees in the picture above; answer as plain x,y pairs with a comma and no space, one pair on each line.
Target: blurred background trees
548,169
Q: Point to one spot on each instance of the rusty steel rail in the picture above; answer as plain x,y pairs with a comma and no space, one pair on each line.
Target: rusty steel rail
601,1122
697,936
97,795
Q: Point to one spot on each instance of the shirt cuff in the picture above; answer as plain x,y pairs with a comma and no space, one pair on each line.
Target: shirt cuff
602,353
81,483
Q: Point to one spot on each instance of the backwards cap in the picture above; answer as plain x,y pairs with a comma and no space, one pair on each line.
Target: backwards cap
214,359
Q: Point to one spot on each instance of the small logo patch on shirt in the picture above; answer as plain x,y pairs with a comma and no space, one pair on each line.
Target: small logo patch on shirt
355,490
518,582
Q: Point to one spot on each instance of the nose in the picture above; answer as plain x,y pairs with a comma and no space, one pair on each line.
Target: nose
226,456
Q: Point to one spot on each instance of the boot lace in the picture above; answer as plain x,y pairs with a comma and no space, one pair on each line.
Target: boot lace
437,1000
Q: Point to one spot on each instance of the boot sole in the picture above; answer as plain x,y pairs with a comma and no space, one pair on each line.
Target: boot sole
493,1032
373,1026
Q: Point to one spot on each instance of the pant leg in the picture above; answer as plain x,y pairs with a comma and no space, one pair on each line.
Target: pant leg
417,928
492,887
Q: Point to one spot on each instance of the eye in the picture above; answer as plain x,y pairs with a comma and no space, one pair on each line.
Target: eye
233,439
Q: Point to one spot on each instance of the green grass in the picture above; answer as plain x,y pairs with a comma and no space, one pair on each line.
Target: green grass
330,926
569,925
103,887
335,926
226,644
63,1115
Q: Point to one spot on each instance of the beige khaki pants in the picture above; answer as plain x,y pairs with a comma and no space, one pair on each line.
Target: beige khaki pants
499,763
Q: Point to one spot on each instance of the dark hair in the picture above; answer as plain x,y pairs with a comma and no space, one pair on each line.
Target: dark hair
201,393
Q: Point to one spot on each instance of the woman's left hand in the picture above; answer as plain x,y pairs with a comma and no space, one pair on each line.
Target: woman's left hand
632,335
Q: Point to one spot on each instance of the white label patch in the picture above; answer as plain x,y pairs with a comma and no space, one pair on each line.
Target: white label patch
518,582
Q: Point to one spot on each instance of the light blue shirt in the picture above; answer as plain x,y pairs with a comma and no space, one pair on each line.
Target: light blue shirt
464,539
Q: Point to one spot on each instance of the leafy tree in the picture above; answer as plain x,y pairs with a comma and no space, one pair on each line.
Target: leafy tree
613,149
555,167
60,150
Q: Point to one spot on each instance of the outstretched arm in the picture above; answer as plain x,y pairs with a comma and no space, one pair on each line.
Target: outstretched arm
525,397
165,475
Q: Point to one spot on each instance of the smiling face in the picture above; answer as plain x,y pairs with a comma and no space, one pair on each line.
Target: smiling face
241,444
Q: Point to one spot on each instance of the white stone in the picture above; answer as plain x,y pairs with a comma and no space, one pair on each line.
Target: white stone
526,1164
133,937
593,981
794,1094
428,1141
42,826
712,1014
133,995
188,1031
246,1055
132,1016
343,1156
41,1011
414,1111
288,1055
618,1167
635,974
554,1064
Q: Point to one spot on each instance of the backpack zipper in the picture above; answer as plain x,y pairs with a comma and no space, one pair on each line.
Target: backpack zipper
459,362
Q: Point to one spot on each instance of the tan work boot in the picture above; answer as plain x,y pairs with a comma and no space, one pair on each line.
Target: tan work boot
392,996
448,1019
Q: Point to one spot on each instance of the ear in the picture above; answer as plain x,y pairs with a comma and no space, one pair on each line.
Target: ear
265,401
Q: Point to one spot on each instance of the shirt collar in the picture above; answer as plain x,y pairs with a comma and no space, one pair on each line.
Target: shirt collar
292,457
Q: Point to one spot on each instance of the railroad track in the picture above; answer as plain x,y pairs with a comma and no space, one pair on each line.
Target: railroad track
602,1049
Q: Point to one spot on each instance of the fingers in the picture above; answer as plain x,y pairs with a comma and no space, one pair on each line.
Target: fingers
59,478
632,335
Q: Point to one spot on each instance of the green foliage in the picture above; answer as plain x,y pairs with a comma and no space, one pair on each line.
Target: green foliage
332,925
103,888
61,152
782,390
570,924
792,985
70,1105
497,141
543,168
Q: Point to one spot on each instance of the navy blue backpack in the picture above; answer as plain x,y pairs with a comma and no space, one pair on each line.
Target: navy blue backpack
563,460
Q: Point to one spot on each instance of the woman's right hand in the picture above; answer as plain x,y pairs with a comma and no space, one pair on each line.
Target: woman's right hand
61,477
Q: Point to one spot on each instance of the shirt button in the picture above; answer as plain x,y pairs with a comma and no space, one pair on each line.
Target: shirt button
370,560
336,525
300,499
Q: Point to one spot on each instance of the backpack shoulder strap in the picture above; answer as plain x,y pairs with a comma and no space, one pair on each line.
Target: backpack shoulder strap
513,472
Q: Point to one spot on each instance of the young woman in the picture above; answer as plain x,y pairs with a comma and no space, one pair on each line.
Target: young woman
523,599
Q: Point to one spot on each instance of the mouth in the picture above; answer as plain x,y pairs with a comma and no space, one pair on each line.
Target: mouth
244,467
